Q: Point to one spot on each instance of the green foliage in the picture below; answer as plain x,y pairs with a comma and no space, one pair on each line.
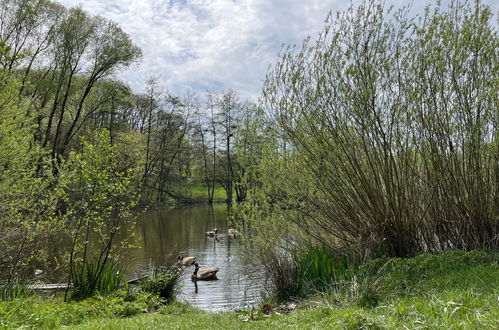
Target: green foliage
7,57
308,272
372,148
52,313
28,191
14,291
90,277
318,270
101,199
163,284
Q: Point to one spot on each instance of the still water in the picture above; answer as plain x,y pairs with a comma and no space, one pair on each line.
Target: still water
167,233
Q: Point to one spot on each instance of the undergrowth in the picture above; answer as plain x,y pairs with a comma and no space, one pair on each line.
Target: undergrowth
453,289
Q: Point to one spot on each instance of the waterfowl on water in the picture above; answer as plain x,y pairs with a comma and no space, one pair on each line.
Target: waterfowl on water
232,233
186,261
204,274
212,233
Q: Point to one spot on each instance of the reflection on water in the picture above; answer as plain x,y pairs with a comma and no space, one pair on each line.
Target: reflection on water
169,233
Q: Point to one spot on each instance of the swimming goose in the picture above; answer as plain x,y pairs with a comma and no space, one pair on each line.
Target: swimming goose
212,233
232,233
186,261
204,274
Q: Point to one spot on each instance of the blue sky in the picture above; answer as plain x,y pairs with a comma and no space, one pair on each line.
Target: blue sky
216,44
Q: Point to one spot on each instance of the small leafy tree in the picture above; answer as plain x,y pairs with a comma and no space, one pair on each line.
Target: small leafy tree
100,201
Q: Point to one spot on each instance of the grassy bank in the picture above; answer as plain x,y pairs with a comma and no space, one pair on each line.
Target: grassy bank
450,290
199,194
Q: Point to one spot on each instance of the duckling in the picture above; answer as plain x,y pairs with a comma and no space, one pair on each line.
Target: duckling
186,261
204,274
232,233
212,233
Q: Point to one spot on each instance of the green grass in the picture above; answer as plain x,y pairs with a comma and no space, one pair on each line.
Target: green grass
452,290
317,270
200,194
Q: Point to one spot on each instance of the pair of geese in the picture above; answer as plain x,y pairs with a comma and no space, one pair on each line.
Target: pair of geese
199,274
207,273
214,233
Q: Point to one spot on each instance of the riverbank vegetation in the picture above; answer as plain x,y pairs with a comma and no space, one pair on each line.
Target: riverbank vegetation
451,289
381,140
376,141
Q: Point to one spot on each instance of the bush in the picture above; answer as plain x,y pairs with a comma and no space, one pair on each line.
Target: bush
163,283
373,147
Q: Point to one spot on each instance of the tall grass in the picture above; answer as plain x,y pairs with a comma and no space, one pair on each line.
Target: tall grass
319,270
345,279
315,269
89,278
14,291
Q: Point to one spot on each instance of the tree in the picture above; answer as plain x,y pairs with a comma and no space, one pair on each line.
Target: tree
101,197
28,198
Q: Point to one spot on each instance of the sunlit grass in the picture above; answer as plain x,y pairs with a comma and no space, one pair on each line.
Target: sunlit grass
200,193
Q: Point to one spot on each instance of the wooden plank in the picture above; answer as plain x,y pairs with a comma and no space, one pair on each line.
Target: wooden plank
43,287
63,286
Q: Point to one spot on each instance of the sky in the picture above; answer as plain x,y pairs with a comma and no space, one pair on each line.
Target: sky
215,44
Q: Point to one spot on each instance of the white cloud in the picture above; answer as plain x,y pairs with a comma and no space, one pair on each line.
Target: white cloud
199,44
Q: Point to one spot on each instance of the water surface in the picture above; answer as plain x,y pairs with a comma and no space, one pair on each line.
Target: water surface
167,233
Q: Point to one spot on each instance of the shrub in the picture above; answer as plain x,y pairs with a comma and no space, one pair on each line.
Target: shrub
162,284
374,147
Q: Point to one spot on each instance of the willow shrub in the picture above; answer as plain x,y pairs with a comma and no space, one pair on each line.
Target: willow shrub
385,136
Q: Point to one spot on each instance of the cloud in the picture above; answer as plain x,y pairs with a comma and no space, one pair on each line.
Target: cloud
201,44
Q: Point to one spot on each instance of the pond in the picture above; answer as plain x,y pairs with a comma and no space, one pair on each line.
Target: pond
167,233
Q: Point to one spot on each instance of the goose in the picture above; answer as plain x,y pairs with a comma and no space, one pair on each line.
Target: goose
212,233
232,233
186,261
204,274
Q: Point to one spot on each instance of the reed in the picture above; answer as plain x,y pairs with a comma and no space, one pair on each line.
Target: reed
13,291
319,270
315,269
89,278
